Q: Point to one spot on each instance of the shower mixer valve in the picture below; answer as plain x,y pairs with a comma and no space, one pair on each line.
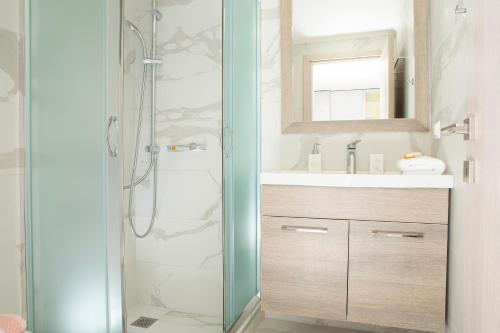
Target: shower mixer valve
155,149
152,61
189,147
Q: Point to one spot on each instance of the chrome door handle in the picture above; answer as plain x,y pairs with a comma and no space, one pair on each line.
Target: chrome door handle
398,234
313,230
113,122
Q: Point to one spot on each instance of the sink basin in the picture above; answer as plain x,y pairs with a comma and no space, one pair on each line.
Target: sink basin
361,179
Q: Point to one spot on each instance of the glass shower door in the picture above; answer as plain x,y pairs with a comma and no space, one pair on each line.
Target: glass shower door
241,156
73,166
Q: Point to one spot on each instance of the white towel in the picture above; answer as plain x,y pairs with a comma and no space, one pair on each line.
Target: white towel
423,165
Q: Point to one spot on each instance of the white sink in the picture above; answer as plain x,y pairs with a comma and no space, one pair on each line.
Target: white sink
361,179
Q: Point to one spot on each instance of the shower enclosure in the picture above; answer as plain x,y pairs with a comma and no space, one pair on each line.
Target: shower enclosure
142,164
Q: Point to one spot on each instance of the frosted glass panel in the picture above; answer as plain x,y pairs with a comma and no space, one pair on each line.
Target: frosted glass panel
241,162
72,218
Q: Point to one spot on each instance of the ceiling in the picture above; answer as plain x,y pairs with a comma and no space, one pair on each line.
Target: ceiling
321,18
348,74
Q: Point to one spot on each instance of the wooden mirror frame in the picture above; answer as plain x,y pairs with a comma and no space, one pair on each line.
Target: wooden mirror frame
422,87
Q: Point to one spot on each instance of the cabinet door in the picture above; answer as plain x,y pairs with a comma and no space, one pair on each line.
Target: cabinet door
397,274
304,267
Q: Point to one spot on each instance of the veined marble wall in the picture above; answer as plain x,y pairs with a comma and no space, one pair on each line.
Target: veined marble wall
11,161
179,266
290,152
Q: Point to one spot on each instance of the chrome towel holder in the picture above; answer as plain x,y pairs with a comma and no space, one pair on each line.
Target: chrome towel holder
467,129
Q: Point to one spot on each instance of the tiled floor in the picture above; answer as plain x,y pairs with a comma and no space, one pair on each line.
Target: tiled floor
283,325
173,321
268,325
181,322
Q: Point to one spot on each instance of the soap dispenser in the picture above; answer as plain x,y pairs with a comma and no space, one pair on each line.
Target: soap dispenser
315,160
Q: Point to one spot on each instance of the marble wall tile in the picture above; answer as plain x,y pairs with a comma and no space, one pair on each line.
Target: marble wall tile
186,290
184,243
290,152
179,266
11,247
12,278
9,63
10,115
11,152
183,194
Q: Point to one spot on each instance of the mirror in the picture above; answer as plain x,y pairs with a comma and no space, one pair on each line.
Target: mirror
357,65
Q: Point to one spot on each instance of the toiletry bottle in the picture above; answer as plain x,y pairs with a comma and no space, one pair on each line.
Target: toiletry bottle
315,160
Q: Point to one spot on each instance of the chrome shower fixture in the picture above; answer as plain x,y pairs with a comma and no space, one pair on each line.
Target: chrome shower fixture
139,35
132,27
149,67
157,14
146,59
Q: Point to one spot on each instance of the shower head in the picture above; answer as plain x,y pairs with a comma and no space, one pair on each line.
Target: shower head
132,26
138,33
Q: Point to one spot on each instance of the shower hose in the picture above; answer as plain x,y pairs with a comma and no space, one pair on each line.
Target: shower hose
153,165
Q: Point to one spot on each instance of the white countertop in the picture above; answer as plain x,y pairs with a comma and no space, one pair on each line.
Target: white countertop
341,179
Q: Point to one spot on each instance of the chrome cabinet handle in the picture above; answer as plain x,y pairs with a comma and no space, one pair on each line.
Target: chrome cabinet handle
314,230
398,234
113,151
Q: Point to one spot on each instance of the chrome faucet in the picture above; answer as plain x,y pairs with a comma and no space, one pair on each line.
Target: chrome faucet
351,157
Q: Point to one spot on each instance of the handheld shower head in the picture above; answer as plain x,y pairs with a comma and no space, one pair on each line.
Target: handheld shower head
132,26
138,33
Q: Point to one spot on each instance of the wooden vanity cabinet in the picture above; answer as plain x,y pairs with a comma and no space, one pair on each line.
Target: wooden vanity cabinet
326,262
397,274
304,266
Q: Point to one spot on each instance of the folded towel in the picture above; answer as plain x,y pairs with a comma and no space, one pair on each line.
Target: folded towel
12,324
421,165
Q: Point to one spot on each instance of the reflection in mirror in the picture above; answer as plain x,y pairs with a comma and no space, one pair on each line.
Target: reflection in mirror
355,60
349,90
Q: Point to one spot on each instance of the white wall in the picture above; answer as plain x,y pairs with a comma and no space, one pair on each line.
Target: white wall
290,152
334,17
11,161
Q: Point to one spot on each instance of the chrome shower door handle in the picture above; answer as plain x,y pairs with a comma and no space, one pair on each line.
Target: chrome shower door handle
113,149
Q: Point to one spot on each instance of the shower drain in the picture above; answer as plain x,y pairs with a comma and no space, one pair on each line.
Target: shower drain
144,322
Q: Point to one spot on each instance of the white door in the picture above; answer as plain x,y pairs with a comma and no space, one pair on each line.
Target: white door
466,80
